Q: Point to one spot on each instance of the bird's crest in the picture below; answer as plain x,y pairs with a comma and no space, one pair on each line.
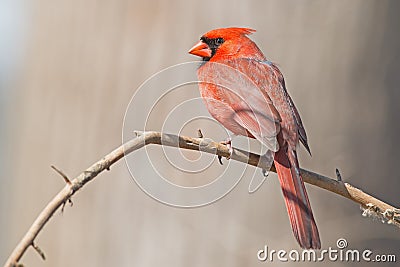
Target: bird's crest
229,32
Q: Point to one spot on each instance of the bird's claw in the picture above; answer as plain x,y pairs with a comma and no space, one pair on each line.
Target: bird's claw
220,160
256,182
228,144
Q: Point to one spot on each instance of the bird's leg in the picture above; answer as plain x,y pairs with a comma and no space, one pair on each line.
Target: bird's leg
228,143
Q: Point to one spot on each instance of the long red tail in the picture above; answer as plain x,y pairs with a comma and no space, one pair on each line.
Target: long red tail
296,199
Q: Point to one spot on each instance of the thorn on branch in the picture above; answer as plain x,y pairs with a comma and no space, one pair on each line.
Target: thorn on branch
199,133
62,174
38,250
65,202
338,175
68,182
138,133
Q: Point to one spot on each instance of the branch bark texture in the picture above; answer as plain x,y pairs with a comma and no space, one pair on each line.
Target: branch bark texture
371,205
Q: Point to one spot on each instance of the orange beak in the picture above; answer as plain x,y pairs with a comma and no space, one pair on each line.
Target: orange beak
200,49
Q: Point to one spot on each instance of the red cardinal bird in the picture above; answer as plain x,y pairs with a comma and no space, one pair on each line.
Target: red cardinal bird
260,107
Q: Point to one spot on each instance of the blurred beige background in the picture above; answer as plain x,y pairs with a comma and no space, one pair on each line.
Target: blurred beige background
76,64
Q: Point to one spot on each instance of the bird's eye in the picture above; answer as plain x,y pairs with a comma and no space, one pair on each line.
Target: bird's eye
219,41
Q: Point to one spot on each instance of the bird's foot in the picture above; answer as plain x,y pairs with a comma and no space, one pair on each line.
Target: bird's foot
228,143
257,181
268,159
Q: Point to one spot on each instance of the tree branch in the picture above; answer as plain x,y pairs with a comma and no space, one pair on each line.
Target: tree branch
371,205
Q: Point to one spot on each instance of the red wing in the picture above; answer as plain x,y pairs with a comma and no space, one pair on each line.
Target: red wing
241,84
260,126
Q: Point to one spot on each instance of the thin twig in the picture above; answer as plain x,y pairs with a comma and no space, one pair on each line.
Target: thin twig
368,202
